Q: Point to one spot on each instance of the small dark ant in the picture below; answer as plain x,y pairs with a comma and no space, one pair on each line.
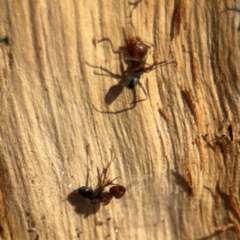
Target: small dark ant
98,195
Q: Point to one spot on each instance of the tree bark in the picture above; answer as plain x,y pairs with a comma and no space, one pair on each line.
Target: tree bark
62,115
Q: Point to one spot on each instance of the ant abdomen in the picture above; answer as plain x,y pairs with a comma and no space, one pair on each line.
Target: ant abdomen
117,191
137,49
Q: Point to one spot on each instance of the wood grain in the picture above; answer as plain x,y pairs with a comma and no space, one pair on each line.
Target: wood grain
177,152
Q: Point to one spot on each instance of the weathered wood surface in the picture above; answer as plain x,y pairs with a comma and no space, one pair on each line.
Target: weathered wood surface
174,151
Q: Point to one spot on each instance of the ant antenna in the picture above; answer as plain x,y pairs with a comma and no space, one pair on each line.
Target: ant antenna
88,151
134,6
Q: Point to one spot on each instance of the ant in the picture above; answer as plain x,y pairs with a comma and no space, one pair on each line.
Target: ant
98,195
137,50
134,53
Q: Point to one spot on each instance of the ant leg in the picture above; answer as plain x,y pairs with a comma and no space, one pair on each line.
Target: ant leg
133,104
115,112
117,76
108,183
99,179
102,177
104,172
154,66
88,151
108,40
144,91
110,74
164,63
121,49
148,44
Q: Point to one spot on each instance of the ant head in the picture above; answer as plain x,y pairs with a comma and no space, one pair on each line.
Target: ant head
86,192
132,81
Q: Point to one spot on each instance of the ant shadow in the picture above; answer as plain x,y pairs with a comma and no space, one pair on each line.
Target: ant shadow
115,90
82,206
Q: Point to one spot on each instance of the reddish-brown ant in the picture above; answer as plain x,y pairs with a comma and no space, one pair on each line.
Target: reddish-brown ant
135,52
98,195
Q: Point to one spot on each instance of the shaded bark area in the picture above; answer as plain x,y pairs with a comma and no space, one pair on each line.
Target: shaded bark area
63,111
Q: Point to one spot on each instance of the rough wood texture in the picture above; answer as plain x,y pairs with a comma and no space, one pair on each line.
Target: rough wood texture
177,153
